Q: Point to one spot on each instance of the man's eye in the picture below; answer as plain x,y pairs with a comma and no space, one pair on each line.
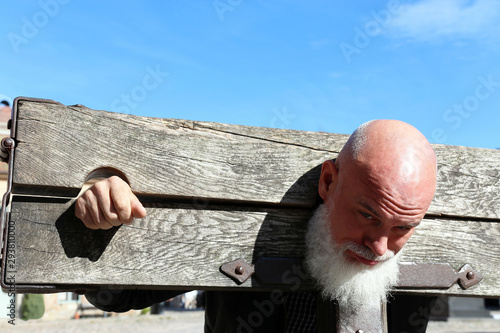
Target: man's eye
366,215
404,228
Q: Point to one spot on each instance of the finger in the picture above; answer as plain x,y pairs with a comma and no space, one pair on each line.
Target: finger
80,208
120,200
89,222
81,212
138,210
95,214
87,211
102,191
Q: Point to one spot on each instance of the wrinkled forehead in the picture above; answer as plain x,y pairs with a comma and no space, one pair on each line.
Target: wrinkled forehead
403,181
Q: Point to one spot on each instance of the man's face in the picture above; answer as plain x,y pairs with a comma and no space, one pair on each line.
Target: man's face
354,238
371,213
352,284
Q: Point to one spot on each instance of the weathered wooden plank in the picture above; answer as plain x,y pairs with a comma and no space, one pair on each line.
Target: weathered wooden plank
468,182
59,146
182,246
172,157
171,247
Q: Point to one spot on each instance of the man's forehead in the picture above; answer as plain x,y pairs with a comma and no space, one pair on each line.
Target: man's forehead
378,181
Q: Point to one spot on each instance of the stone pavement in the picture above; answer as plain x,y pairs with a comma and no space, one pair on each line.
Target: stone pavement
191,321
185,321
464,325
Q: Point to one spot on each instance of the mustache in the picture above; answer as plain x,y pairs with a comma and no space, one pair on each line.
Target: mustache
365,252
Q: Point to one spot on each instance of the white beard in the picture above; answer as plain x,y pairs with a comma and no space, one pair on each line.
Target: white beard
354,285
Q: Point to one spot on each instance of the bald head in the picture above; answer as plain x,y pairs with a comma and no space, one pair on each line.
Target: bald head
395,155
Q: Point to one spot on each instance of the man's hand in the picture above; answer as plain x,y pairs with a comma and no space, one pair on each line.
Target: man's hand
108,203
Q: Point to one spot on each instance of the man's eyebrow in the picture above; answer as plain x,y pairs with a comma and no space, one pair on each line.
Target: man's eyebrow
414,224
368,207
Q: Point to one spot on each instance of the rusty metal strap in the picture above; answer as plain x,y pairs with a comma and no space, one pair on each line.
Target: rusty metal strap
436,275
276,272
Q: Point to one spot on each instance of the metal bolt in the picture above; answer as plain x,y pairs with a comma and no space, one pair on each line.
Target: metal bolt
239,270
470,275
7,143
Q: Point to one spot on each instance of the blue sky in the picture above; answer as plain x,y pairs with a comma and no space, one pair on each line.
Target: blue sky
316,66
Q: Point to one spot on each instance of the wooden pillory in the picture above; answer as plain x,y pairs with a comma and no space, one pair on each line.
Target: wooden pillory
215,193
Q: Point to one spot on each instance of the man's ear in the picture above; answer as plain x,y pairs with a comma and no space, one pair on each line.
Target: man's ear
328,179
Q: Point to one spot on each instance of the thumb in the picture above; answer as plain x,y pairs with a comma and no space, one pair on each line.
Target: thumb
137,209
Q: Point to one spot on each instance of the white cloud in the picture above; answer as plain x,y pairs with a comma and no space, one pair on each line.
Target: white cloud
435,20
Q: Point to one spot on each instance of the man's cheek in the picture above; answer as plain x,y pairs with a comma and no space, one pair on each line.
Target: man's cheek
343,228
399,245
407,237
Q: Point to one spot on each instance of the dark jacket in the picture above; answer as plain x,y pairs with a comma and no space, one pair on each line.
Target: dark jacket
262,312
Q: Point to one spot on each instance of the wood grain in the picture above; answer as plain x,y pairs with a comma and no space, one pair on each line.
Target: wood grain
59,146
170,157
177,246
459,242
171,247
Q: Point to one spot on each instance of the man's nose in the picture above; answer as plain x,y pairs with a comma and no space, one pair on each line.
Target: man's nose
377,244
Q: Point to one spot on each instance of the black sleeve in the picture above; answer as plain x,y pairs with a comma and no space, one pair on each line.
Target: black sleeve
121,300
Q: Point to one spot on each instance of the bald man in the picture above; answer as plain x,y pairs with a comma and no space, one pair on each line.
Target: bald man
374,196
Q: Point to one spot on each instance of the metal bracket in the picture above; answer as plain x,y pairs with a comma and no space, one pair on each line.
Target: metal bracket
7,154
270,271
436,275
239,270
5,148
